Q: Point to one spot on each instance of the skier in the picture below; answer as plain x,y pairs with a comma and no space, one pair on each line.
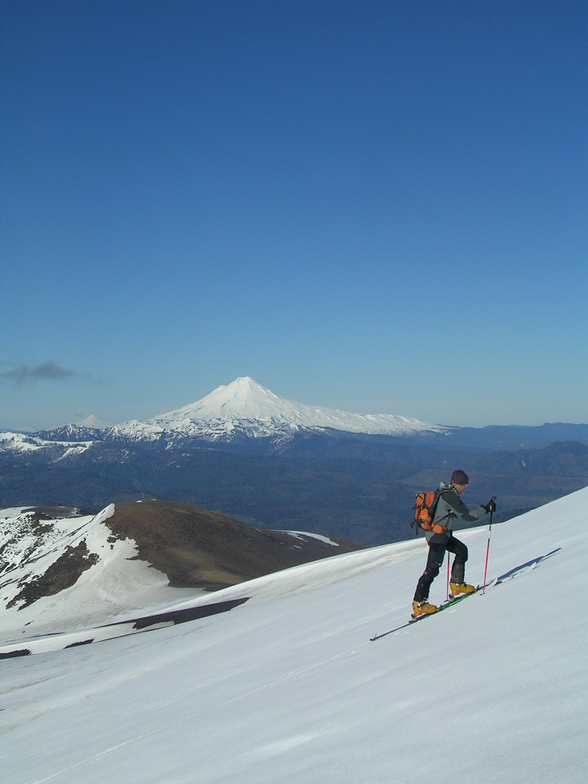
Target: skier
448,508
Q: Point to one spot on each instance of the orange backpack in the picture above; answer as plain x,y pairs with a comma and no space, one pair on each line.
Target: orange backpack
424,512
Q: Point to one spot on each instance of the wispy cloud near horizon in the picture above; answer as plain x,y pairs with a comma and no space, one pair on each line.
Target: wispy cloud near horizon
47,371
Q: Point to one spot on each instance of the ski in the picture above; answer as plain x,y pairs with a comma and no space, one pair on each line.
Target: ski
522,569
415,619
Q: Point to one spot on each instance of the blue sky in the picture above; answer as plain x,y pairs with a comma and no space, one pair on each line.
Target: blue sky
373,206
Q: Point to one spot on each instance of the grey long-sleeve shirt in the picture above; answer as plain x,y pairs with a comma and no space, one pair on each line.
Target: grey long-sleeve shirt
449,508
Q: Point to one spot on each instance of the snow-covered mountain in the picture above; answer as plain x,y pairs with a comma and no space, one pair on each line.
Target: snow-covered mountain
245,411
240,411
58,565
287,688
245,408
63,441
93,423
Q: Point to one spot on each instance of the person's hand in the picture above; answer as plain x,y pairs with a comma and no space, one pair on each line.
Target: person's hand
491,505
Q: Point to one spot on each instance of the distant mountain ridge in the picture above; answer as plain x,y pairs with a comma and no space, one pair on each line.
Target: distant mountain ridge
247,409
273,463
245,412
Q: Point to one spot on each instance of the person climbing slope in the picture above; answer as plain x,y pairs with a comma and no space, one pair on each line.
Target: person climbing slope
449,507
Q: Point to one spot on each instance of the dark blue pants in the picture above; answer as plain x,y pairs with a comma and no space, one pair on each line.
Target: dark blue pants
434,561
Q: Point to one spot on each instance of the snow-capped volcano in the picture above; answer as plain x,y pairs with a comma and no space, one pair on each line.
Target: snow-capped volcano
92,422
246,408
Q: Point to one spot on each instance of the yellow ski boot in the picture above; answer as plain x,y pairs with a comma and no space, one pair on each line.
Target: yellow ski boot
423,608
460,589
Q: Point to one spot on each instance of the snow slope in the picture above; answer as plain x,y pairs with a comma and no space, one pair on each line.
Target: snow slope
288,689
245,407
117,584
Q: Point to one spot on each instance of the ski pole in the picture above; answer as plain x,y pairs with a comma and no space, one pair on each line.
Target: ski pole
488,549
448,559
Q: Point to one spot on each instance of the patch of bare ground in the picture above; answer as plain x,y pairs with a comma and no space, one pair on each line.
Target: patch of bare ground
195,547
62,574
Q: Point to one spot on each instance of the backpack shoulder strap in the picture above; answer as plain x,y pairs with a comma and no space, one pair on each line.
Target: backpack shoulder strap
438,493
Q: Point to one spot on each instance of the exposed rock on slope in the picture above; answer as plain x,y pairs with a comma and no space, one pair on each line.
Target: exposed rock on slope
198,548
60,569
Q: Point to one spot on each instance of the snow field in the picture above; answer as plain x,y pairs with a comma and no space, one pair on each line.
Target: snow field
287,688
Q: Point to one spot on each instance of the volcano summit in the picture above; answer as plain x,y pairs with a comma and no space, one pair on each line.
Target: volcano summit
247,409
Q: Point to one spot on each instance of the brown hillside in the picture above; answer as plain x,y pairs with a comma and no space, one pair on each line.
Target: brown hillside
198,548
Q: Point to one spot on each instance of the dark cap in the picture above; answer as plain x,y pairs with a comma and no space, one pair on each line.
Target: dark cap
459,477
